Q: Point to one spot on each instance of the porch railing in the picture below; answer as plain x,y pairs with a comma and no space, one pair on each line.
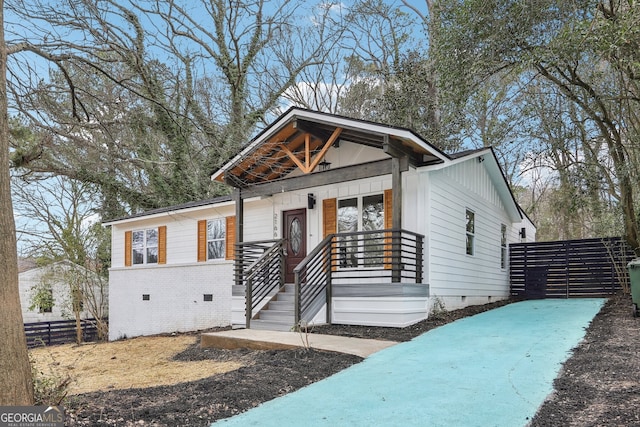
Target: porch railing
376,256
260,268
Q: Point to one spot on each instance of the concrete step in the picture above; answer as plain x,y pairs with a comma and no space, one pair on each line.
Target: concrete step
278,315
285,297
280,305
271,325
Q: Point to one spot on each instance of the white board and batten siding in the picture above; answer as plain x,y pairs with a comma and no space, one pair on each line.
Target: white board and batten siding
456,278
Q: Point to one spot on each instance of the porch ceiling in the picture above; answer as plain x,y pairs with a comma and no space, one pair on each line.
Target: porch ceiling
301,144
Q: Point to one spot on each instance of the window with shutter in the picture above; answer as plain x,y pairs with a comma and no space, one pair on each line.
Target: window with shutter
216,238
146,246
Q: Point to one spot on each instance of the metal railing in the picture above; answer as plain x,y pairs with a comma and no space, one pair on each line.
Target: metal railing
392,256
260,268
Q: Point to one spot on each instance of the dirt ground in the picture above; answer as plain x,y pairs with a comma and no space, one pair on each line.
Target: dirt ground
139,363
599,385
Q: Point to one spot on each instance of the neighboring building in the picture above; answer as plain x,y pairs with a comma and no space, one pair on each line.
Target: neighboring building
51,279
312,193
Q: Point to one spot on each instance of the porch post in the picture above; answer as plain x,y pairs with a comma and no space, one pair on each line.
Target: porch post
237,198
239,267
396,219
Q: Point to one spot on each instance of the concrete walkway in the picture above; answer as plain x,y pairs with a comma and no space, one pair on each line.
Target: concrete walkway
492,369
275,340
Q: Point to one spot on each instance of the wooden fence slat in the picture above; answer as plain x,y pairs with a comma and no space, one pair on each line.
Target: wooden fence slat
572,268
58,332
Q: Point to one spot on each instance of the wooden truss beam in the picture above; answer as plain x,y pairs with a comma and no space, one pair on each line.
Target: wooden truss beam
309,165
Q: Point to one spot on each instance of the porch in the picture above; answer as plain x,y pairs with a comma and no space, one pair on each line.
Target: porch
365,278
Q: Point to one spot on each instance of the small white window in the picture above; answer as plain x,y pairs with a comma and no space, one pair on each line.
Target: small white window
216,235
503,246
471,231
144,246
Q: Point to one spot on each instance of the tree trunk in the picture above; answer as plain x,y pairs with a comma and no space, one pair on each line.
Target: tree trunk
16,386
77,310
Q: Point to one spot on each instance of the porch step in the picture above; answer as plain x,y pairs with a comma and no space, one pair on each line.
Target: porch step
271,325
280,305
289,297
278,314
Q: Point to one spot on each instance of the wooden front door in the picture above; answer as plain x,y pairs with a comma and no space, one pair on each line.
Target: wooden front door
294,230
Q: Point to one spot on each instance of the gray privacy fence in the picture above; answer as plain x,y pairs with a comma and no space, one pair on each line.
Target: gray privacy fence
58,332
569,268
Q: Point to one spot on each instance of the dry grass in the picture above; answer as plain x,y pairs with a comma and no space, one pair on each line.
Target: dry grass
134,363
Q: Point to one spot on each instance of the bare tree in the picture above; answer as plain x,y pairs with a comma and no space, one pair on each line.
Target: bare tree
162,92
59,225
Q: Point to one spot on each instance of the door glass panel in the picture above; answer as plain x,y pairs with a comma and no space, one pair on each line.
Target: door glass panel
373,219
373,212
295,236
348,222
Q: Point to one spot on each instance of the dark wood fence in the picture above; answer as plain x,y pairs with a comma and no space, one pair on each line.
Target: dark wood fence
58,332
569,269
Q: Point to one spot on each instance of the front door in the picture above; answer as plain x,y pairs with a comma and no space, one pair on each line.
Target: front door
294,230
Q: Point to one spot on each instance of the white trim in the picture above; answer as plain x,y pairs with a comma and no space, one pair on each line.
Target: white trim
169,212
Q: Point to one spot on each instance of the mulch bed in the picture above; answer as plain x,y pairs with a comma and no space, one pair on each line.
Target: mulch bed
599,385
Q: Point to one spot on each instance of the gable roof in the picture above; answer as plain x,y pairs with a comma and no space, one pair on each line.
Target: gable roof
488,157
307,135
26,264
299,138
160,211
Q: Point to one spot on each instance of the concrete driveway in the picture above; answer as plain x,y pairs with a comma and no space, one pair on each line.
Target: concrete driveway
491,369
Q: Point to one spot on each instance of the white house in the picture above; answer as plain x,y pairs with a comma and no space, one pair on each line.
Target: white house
331,220
50,279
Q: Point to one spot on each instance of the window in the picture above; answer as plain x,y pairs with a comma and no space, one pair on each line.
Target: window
144,246
503,246
216,237
471,231
361,214
45,302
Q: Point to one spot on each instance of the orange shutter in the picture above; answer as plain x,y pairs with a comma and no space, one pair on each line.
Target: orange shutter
329,217
388,223
162,244
202,240
230,240
330,222
388,208
128,236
